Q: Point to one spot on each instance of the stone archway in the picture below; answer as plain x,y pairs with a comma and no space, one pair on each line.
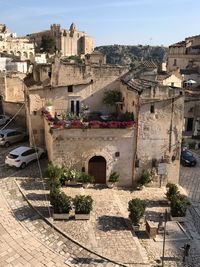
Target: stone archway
97,168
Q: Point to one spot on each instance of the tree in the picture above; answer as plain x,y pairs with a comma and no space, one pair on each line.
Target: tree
48,44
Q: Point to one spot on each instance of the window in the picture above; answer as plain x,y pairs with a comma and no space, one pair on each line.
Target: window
11,134
172,84
175,62
75,107
152,109
70,88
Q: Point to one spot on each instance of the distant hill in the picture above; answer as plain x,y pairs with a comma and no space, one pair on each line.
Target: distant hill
130,54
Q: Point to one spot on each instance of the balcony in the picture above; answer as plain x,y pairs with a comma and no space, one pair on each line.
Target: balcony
100,122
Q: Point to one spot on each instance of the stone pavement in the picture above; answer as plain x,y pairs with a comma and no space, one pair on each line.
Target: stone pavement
62,251
107,227
18,247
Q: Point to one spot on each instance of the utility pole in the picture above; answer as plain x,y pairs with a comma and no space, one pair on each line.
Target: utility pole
163,254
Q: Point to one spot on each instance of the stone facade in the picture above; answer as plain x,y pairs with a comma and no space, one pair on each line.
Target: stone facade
82,84
10,44
68,42
81,145
157,110
12,95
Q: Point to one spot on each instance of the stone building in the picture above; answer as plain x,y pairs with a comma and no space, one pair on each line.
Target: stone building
185,57
124,147
12,95
16,46
159,116
68,42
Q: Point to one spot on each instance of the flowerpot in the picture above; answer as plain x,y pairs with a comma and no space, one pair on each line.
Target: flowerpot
49,109
85,185
62,216
110,184
82,216
70,183
178,219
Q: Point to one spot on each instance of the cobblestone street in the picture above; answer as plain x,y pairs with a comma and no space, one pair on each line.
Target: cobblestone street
25,235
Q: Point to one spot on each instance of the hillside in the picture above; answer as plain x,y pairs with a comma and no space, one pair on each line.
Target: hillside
129,54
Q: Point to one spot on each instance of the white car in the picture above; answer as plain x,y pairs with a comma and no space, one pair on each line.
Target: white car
4,119
23,155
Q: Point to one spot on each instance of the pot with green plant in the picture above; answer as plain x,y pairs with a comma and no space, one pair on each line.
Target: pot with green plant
49,106
83,207
71,177
62,205
86,179
172,191
113,179
179,205
136,208
144,179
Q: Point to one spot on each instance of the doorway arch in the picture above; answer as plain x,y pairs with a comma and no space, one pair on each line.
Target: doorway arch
97,168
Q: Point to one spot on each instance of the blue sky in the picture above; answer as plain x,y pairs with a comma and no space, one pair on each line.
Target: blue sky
128,22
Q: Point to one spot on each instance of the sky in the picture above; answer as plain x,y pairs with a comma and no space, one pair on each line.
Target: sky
127,22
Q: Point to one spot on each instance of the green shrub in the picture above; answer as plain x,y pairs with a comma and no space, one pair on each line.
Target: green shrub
54,173
136,208
82,204
179,205
54,191
172,191
62,203
111,97
86,178
145,178
114,177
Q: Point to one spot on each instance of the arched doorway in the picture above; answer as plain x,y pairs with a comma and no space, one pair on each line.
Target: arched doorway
97,168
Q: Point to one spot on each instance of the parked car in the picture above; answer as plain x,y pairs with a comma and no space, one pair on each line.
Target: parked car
4,119
11,136
187,158
21,156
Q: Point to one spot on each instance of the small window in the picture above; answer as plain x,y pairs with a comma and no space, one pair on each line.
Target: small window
70,88
34,112
175,62
117,154
152,109
172,84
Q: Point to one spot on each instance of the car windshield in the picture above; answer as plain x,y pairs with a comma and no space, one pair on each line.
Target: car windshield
188,154
12,156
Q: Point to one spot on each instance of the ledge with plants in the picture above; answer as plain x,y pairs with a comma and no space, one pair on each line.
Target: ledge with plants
79,123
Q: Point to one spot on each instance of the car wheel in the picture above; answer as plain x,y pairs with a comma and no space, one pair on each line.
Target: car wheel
7,144
23,165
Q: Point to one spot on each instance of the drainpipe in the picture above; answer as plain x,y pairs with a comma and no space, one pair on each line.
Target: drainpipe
136,138
171,125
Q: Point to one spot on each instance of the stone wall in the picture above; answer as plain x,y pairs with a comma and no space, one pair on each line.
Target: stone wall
81,145
159,137
11,108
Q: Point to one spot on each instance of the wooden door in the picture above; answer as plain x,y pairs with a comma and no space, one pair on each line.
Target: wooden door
97,168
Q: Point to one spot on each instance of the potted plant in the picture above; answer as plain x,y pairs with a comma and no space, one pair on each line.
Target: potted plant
179,205
83,207
172,191
71,177
86,179
144,179
61,206
136,208
49,106
95,124
113,178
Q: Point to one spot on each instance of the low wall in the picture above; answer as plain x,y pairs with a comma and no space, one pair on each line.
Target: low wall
11,108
